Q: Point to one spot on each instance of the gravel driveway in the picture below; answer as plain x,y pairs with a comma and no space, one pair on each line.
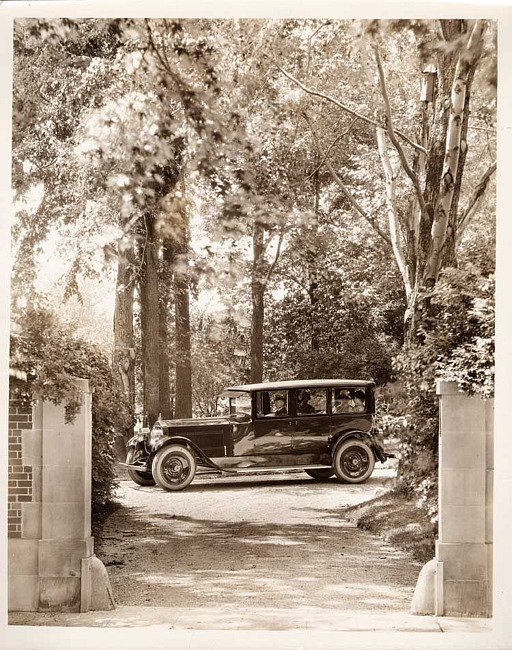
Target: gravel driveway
267,541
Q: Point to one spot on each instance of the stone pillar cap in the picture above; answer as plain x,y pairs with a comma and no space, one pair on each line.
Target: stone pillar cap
444,387
82,384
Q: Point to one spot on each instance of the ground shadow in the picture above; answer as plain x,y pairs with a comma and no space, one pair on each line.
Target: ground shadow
180,561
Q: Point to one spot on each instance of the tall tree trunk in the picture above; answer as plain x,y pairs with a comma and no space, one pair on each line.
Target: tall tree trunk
444,168
183,386
312,271
164,392
446,65
449,257
150,320
313,301
258,307
183,383
124,349
449,176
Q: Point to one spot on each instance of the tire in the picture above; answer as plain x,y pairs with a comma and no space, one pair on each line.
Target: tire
321,474
141,478
353,461
174,467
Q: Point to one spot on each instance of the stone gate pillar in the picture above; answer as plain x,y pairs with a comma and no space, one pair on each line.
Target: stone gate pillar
51,551
458,582
466,469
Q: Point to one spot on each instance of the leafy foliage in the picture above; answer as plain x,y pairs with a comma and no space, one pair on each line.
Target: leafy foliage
108,114
458,345
41,346
219,347
341,313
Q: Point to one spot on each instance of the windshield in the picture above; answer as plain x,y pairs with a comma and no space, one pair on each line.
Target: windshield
240,402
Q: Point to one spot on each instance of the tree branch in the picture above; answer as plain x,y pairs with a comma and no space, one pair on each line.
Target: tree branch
488,129
326,24
298,282
328,98
474,200
276,258
164,64
342,135
353,202
393,219
389,123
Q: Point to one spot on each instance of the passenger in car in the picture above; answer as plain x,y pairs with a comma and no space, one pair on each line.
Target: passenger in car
280,405
303,405
359,402
343,403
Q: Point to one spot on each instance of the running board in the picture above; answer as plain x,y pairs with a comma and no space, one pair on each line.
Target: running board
137,468
235,470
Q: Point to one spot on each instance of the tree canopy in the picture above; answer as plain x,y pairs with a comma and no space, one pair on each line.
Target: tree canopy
263,199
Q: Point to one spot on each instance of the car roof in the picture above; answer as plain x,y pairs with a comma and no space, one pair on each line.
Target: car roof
307,383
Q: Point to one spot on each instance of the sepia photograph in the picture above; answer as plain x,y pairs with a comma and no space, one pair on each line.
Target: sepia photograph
251,328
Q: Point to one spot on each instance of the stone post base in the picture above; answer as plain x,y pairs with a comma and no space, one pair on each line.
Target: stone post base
428,595
96,594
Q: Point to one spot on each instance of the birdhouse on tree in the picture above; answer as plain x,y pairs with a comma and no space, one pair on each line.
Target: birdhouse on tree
428,83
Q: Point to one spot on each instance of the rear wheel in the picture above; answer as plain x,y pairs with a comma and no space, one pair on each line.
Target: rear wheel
320,474
174,467
353,461
141,478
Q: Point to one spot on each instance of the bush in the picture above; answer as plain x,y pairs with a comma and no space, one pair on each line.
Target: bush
40,345
456,344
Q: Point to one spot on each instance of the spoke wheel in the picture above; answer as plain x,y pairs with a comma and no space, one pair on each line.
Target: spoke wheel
353,461
141,478
174,468
320,474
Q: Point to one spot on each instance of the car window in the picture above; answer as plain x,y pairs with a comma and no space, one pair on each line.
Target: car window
312,401
349,400
240,402
272,403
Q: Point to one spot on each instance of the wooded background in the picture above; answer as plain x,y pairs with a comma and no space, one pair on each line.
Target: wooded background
262,200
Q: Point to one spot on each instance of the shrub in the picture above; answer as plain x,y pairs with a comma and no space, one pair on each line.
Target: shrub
43,347
456,344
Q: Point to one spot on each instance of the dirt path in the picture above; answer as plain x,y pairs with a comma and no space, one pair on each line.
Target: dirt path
274,541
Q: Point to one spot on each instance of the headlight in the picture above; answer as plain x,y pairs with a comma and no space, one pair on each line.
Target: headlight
156,434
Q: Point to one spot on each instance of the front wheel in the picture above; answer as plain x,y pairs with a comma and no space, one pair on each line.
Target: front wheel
174,467
141,478
320,474
353,462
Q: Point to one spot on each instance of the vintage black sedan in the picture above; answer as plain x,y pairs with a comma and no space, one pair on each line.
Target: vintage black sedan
324,426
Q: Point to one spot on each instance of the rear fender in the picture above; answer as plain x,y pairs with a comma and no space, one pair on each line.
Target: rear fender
373,443
378,448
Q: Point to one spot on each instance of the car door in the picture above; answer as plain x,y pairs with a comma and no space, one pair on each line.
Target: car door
351,410
311,422
272,423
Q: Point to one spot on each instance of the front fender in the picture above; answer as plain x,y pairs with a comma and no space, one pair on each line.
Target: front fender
186,442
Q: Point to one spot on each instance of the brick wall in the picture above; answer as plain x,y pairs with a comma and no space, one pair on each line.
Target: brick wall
20,475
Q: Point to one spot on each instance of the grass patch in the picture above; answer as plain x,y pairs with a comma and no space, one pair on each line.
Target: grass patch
399,521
